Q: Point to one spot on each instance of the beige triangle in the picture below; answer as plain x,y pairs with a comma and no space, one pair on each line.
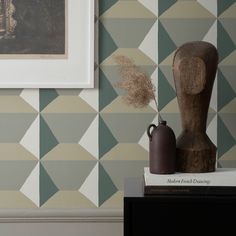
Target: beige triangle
68,104
230,12
214,100
211,110
15,104
68,199
119,106
144,140
230,155
68,152
211,6
153,105
171,107
226,163
169,60
187,10
151,5
116,201
31,96
135,54
127,152
15,199
230,107
90,96
14,151
122,10
230,60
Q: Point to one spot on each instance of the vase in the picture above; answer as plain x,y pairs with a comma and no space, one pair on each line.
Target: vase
162,149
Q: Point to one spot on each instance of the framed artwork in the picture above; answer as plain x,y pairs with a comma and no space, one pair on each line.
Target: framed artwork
47,43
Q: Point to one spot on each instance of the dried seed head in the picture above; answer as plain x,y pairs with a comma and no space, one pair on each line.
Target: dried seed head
138,85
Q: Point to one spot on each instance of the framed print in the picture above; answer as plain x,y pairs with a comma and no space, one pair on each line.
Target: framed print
47,43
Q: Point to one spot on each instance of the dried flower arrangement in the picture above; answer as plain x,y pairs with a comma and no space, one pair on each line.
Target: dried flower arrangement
136,82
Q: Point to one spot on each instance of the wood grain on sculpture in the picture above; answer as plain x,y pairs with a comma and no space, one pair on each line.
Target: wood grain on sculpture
194,69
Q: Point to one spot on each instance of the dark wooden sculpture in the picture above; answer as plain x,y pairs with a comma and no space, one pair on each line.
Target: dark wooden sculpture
194,69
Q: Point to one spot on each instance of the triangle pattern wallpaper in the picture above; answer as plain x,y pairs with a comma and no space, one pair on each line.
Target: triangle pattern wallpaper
73,148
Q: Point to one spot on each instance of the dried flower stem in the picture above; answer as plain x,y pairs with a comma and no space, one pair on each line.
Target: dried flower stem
139,87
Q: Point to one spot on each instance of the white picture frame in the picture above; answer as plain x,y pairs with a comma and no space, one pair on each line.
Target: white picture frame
73,70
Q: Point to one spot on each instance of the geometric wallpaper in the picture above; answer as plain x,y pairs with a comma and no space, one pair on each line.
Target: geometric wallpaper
73,148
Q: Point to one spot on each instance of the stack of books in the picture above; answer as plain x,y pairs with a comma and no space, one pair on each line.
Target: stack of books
220,182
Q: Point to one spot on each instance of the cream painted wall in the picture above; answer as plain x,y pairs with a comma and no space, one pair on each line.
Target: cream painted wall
61,229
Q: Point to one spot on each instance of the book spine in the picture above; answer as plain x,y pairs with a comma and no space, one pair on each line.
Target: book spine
190,181
189,190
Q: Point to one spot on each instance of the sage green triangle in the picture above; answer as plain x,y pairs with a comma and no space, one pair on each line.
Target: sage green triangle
225,91
165,44
106,138
106,92
105,5
47,139
225,140
46,97
224,42
165,92
222,5
106,44
47,187
164,5
106,186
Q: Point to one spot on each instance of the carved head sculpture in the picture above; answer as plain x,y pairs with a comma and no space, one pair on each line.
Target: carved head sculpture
194,69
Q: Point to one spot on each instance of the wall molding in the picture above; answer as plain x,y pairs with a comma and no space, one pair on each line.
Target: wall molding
61,216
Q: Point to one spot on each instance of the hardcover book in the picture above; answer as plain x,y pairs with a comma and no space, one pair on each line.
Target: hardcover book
220,182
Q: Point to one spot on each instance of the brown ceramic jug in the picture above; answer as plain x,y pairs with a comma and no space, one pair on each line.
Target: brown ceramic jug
162,149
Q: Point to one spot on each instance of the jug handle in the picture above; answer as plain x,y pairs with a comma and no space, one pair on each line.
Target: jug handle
149,131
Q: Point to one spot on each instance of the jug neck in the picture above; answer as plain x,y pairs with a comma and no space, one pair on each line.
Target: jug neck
162,122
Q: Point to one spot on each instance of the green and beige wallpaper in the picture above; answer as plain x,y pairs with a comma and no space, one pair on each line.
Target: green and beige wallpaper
73,148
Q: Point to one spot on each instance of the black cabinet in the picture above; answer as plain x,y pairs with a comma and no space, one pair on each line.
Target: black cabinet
177,214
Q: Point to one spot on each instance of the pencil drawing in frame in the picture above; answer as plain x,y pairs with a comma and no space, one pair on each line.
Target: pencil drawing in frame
47,43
